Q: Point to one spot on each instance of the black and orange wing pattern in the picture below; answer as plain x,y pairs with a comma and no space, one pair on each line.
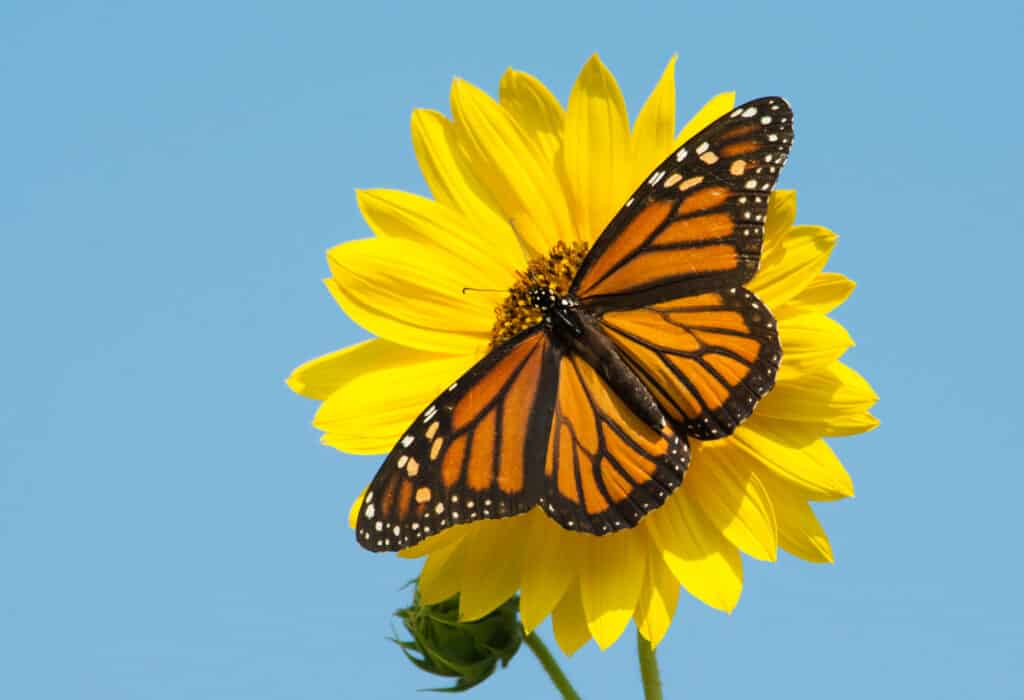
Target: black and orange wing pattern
697,223
605,467
469,454
706,359
534,423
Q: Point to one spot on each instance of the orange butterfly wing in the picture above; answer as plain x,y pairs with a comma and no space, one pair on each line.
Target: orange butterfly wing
666,276
469,454
707,359
605,467
697,223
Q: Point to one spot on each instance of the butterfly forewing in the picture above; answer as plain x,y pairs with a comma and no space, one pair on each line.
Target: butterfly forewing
697,223
469,454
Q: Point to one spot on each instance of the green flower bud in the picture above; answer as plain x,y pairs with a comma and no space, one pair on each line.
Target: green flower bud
467,651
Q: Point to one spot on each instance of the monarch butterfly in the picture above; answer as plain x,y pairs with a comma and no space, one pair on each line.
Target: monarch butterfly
587,413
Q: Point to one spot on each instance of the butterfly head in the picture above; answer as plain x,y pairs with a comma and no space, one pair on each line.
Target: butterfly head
544,299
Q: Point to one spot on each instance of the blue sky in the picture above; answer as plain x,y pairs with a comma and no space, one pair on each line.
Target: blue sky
172,174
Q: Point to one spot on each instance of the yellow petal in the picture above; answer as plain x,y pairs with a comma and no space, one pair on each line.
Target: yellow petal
700,558
596,151
819,397
536,110
845,426
800,533
411,294
569,622
810,343
800,431
610,582
505,159
789,433
435,543
712,110
491,561
319,378
813,468
734,501
825,292
658,600
553,556
393,214
439,579
791,265
781,215
353,511
381,389
655,127
448,174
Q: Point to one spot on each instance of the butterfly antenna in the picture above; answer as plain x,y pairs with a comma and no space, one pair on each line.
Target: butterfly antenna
482,289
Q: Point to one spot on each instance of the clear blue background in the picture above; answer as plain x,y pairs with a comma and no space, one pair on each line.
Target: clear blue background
171,175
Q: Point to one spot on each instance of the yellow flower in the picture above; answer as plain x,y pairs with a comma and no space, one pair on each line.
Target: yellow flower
510,179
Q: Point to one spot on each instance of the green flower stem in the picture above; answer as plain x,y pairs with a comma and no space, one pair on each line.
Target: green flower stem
648,668
554,671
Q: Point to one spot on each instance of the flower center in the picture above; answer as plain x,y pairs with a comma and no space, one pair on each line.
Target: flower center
554,272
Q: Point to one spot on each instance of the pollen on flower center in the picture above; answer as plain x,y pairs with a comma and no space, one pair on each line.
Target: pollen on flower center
555,271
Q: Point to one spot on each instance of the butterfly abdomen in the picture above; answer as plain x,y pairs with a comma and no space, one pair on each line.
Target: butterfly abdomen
573,329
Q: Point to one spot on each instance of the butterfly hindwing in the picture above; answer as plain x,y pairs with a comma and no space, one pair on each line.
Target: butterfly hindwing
707,359
468,455
605,467
697,223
